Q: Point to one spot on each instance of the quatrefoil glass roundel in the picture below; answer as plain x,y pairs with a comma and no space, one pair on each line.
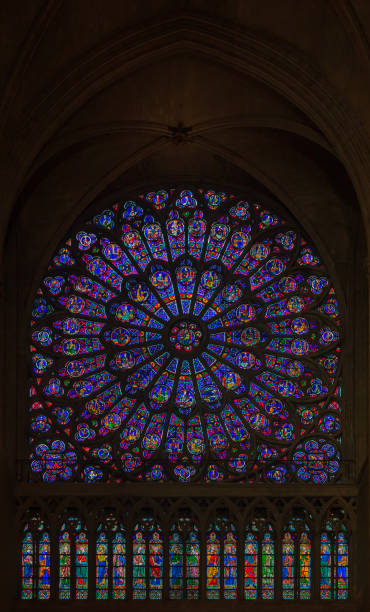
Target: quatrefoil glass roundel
186,335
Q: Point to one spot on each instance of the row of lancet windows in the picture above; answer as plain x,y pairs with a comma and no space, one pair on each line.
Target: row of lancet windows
140,564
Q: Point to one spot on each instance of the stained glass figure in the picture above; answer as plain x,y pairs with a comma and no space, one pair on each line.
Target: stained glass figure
230,566
268,565
221,561
342,566
64,564
296,561
184,557
334,566
73,560
35,562
213,566
27,565
102,566
147,564
288,566
176,552
192,549
305,566
191,336
119,565
155,566
44,566
251,564
110,560
81,565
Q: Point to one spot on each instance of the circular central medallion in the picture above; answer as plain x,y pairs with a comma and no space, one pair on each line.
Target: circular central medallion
185,335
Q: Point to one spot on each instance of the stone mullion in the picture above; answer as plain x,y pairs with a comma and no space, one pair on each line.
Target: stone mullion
278,564
184,566
72,539
296,564
203,563
351,565
315,563
129,562
110,564
36,566
333,586
259,564
222,563
240,543
54,562
147,565
91,535
166,563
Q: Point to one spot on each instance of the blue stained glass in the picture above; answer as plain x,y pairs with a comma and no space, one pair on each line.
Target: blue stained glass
187,333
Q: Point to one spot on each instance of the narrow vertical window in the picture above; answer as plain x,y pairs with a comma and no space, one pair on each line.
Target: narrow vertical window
267,565
73,560
342,566
192,565
325,567
221,560
213,566
250,565
35,562
147,560
102,566
230,566
27,565
155,566
288,566
119,566
44,566
139,566
334,570
305,566
296,561
176,565
64,564
81,565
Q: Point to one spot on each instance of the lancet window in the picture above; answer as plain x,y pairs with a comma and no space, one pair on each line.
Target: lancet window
35,560
73,559
334,556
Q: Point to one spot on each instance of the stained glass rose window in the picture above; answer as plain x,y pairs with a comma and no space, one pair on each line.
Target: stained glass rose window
188,335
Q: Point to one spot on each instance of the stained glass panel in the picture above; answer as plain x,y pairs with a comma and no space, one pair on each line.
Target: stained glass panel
250,565
81,565
64,564
342,566
288,566
44,567
334,553
176,552
27,565
102,566
230,566
187,335
268,566
139,566
155,566
192,548
147,564
119,566
305,566
213,566
326,567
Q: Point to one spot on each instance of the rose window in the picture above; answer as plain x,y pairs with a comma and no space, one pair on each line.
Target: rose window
187,335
